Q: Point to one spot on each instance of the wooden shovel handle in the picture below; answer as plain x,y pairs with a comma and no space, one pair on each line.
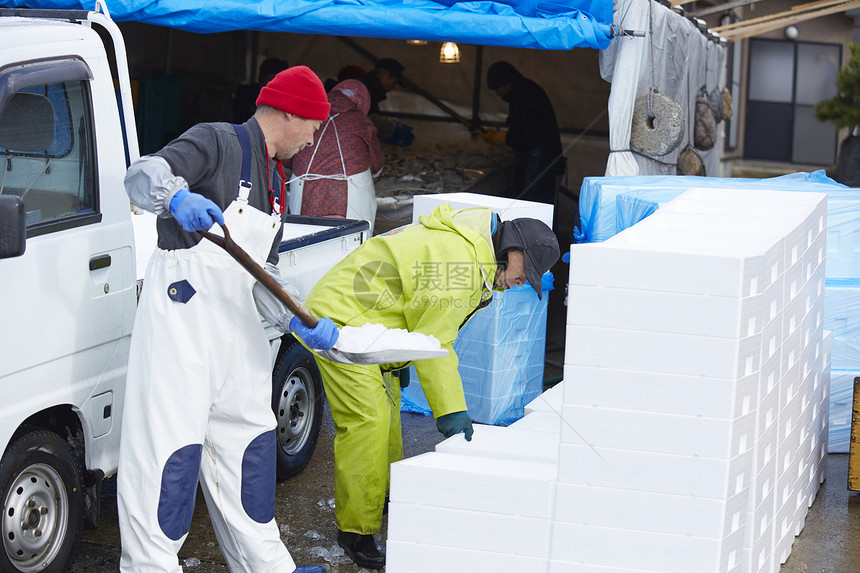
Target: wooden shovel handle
226,242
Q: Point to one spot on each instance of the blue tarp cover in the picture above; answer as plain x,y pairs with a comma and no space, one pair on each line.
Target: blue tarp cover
561,25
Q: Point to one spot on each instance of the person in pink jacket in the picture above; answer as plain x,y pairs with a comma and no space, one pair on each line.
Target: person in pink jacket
334,178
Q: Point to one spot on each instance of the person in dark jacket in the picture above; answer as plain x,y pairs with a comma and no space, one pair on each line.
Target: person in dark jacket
383,78
532,133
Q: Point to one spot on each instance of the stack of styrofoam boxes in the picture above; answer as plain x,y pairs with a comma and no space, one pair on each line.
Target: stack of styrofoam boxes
659,439
501,349
705,290
842,309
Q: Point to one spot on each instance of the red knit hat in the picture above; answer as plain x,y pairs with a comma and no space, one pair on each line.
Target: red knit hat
296,90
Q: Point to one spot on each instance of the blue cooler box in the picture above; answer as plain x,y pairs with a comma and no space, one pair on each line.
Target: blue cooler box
501,353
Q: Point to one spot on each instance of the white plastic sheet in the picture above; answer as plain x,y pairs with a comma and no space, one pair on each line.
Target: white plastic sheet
677,59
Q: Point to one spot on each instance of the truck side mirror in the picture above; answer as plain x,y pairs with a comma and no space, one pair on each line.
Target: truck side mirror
13,230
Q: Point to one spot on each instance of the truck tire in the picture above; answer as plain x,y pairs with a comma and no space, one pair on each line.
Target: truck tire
41,489
297,400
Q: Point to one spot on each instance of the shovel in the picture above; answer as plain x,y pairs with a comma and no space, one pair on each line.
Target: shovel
368,344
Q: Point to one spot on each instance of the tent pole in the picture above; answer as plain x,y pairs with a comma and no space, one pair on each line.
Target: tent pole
408,83
476,94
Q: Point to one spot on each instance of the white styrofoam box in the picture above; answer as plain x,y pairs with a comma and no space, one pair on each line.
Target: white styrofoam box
792,228
789,385
765,249
793,282
843,248
762,485
792,315
814,258
657,432
659,392
424,558
663,352
771,340
475,483
784,526
842,318
649,471
656,311
791,350
759,525
770,375
766,415
647,511
774,300
816,225
759,202
548,421
506,208
812,326
476,530
758,557
646,550
605,264
765,450
558,566
548,401
507,443
788,428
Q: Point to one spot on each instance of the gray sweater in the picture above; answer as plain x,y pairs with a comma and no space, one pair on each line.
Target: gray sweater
208,156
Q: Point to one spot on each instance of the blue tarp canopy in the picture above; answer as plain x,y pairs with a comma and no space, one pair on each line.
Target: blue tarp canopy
560,25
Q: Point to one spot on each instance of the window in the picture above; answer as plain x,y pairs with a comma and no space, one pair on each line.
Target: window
786,80
46,155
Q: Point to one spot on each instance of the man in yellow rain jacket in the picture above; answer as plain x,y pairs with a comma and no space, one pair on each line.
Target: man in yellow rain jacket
429,277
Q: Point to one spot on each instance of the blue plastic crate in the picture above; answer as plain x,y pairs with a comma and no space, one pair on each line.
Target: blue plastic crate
501,353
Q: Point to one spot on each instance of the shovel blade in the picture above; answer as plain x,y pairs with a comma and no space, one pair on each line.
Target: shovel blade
375,344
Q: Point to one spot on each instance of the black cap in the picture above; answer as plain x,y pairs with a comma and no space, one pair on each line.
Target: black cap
391,66
500,74
538,244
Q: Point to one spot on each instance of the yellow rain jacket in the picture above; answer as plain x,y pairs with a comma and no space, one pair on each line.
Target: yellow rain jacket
429,277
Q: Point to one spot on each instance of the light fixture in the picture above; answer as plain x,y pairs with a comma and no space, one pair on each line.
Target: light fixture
450,53
791,32
417,42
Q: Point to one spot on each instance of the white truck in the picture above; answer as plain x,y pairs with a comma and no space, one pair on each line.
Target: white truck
70,265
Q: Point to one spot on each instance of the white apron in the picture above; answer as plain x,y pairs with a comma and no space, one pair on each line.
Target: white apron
360,196
198,406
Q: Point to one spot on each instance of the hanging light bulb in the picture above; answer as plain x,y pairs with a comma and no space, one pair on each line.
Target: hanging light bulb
417,42
450,53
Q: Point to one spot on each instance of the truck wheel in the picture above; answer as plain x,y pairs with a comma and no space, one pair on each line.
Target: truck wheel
40,485
297,399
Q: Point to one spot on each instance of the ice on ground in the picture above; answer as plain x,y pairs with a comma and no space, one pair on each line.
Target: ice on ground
311,534
373,337
192,562
334,555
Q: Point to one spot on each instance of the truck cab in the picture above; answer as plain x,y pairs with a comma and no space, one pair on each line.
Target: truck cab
71,259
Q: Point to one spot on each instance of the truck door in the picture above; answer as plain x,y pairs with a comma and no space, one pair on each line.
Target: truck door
66,301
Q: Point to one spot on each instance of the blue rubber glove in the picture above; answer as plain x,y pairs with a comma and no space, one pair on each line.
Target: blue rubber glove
194,212
322,337
402,135
454,423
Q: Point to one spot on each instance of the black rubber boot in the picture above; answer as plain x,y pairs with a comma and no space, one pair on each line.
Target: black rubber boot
362,549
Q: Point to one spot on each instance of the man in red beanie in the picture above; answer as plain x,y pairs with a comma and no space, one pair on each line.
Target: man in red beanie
198,391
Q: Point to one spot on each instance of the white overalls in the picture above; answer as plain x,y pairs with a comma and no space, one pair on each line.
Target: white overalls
360,193
198,406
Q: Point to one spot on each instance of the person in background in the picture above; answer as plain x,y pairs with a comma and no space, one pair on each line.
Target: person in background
245,98
350,72
198,392
532,134
334,178
430,277
383,78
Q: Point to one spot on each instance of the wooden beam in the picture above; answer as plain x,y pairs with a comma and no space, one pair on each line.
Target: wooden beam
680,2
749,31
724,7
794,11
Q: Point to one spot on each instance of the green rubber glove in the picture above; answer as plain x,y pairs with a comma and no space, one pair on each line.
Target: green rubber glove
454,423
